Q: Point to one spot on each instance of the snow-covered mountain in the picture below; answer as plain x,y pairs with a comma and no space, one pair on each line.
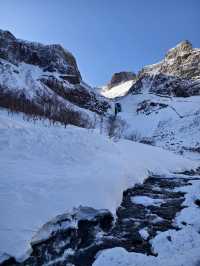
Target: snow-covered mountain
103,194
178,74
120,77
162,104
44,80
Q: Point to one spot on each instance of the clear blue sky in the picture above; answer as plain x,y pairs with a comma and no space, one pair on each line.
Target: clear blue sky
105,36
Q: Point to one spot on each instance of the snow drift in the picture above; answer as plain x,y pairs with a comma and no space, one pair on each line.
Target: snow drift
46,171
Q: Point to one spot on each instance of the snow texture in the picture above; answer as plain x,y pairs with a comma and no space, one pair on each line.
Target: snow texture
175,127
119,90
47,170
146,201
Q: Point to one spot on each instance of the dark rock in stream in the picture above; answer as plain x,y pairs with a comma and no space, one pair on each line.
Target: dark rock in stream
75,238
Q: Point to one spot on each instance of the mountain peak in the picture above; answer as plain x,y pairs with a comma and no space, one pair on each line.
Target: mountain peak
52,57
5,34
182,48
120,77
181,61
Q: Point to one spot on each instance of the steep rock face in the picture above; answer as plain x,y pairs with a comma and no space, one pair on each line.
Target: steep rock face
44,80
162,105
181,61
120,77
178,74
163,84
52,58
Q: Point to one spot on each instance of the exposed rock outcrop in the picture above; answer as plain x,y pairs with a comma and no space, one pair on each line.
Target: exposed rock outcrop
44,80
52,58
148,107
121,77
178,74
182,61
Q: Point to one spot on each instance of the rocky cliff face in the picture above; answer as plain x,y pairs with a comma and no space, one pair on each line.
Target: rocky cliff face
44,80
51,58
157,106
182,61
121,77
178,74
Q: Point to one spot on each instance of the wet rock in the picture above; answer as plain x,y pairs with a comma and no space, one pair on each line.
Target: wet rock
191,172
9,261
75,238
169,238
197,202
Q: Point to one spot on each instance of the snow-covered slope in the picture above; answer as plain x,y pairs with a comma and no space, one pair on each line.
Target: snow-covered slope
173,123
44,80
162,106
118,90
47,170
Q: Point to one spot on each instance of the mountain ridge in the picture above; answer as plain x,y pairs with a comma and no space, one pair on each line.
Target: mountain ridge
44,80
135,195
178,74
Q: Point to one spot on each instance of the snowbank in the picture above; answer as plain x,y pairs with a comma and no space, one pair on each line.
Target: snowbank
46,171
119,256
